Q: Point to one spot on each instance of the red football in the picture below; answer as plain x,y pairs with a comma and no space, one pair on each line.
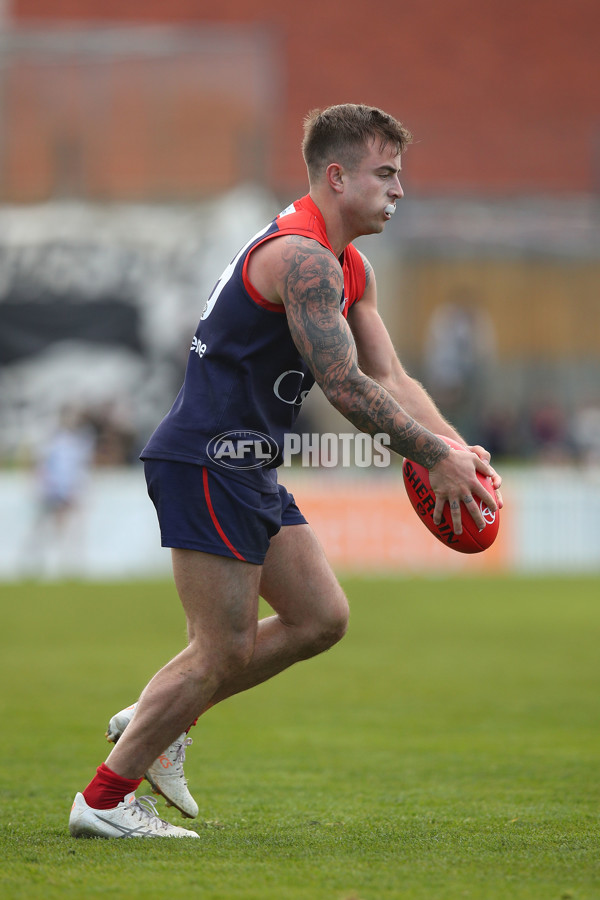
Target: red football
418,488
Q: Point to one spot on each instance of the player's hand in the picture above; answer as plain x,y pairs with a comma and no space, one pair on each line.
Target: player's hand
454,481
483,454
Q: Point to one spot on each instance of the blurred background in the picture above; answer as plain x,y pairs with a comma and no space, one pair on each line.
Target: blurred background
142,144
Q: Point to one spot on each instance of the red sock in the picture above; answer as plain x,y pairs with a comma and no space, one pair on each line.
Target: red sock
107,789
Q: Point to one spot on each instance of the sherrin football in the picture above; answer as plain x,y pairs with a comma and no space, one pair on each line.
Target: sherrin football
418,488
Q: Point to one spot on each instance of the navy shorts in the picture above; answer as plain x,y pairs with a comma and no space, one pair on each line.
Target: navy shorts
202,509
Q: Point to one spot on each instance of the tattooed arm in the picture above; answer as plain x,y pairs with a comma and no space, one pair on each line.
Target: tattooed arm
307,279
311,288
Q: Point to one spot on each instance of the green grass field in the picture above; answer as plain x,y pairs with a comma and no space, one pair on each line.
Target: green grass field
447,748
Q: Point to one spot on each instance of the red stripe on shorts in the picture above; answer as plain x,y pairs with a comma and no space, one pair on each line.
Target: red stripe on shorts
216,522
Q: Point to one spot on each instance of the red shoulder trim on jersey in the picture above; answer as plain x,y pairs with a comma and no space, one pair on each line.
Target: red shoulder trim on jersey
354,268
305,219
258,298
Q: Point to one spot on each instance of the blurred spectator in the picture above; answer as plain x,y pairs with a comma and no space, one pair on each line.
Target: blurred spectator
55,548
115,439
550,433
586,434
504,433
460,352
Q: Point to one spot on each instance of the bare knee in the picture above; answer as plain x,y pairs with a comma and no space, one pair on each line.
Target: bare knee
327,629
236,655
336,625
223,659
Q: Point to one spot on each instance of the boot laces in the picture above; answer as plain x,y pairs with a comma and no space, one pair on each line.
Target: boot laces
180,755
145,807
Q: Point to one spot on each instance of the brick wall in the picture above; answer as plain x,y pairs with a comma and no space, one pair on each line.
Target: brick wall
502,95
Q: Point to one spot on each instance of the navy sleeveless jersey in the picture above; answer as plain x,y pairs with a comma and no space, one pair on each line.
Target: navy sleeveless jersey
245,380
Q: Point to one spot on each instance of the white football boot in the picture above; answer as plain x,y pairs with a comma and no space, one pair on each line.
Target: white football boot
132,818
166,774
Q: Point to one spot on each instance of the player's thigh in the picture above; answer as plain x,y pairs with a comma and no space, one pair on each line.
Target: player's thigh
298,582
219,595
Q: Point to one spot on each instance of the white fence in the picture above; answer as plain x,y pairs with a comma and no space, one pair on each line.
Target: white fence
551,524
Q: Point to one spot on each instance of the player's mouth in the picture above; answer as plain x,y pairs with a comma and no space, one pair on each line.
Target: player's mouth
389,210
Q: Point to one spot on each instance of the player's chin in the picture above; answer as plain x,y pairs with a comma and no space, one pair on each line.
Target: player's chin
374,225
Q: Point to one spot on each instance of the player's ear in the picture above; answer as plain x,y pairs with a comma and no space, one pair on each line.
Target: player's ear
335,176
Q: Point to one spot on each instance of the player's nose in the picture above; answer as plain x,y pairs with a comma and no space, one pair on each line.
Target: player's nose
396,189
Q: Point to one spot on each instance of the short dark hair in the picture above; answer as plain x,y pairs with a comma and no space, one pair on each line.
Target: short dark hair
342,133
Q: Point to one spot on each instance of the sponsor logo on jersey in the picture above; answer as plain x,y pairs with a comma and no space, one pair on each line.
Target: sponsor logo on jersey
287,387
198,347
242,449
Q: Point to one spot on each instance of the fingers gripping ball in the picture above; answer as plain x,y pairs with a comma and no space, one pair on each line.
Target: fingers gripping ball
422,498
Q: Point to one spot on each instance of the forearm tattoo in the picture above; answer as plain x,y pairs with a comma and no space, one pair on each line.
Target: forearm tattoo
312,292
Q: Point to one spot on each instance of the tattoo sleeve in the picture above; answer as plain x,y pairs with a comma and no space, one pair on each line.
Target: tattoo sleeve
312,291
